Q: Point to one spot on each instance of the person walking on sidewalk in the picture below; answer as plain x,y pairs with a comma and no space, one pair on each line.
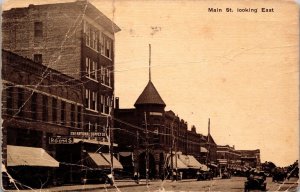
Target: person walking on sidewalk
136,177
174,174
110,179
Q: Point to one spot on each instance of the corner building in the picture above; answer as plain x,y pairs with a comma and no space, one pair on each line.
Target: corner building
73,38
149,127
76,41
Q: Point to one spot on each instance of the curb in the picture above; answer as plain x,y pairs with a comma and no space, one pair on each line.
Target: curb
100,187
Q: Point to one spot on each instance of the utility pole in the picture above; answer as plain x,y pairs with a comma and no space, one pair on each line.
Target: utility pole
137,158
147,150
173,148
171,151
111,149
208,140
149,62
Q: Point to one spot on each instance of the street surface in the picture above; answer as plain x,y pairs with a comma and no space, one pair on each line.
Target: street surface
235,184
230,185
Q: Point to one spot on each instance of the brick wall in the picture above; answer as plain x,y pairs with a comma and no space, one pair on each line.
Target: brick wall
60,43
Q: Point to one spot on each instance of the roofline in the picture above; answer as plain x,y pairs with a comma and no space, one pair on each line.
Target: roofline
107,21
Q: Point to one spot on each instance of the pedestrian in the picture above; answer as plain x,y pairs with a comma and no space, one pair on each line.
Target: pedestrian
174,176
198,175
136,177
110,179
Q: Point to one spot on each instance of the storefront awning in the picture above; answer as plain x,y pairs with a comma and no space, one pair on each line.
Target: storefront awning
116,163
190,161
29,156
177,163
99,160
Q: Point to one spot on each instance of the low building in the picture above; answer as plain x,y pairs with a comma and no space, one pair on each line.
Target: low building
250,158
228,157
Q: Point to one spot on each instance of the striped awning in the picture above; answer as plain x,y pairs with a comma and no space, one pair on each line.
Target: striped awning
99,161
116,163
177,163
191,162
29,156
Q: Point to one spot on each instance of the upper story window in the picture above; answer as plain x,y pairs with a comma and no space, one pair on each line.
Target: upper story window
106,46
91,36
54,110
105,76
91,99
34,106
45,108
20,102
91,68
105,104
38,29
62,113
38,58
72,115
9,100
79,119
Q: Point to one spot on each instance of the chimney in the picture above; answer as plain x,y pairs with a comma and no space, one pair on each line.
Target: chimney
117,102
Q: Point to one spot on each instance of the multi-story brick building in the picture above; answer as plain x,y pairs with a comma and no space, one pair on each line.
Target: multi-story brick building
76,41
74,38
38,103
149,126
193,143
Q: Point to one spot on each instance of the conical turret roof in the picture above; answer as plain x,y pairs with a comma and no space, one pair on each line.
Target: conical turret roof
149,96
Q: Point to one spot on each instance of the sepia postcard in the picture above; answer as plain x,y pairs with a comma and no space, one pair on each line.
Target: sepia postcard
127,95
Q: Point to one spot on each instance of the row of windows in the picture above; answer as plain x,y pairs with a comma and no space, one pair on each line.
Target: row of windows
16,101
96,40
91,102
91,69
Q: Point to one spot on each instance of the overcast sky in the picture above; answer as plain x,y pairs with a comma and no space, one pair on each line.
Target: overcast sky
239,69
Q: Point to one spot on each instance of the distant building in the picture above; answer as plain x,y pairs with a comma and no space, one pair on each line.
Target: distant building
228,157
193,143
250,158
